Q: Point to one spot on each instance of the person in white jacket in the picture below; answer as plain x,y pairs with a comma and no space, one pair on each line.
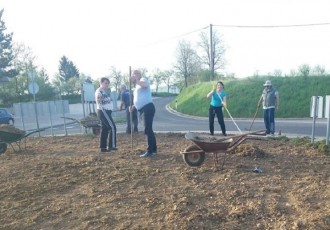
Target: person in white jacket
104,108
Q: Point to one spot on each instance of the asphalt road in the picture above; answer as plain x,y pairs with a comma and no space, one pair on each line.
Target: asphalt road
173,122
169,121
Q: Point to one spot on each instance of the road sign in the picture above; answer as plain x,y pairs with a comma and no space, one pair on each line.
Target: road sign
33,88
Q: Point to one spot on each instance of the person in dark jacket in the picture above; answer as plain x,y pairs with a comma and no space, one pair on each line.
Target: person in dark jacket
270,100
125,104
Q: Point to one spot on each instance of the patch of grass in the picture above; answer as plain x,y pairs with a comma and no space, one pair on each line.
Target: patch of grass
243,96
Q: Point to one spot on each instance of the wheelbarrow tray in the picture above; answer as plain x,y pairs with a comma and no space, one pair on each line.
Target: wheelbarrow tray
10,137
14,138
86,123
90,123
210,143
194,155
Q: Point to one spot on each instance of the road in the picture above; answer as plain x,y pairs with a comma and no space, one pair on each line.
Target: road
166,121
169,121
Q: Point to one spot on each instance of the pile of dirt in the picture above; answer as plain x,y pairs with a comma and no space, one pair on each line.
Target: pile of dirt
65,183
10,129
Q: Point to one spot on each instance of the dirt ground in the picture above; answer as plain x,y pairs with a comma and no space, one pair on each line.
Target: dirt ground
63,183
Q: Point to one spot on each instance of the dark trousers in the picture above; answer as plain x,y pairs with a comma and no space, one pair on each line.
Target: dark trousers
108,129
216,111
269,120
147,114
134,119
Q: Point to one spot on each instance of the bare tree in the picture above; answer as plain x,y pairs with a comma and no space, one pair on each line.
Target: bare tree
157,77
277,73
304,69
319,70
217,47
117,78
187,63
167,77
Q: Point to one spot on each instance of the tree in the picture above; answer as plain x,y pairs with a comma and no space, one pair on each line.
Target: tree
167,77
67,69
158,78
117,78
304,69
218,49
187,63
23,62
319,70
7,69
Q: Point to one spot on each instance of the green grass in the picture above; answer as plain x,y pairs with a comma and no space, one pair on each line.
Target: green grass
243,95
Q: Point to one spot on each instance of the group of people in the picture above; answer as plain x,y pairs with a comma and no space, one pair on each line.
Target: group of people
142,103
269,99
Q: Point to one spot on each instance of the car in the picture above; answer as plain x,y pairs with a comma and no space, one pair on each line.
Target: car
6,117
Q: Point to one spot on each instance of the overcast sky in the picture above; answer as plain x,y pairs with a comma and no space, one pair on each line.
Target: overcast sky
98,34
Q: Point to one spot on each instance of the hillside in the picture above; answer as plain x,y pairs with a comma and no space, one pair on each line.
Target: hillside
243,96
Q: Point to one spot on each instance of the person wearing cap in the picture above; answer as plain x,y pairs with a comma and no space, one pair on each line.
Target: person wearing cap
270,100
142,101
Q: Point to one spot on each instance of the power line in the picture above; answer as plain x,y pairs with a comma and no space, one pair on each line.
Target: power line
236,26
275,26
175,37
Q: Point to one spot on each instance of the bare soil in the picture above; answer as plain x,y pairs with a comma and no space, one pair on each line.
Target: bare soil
65,183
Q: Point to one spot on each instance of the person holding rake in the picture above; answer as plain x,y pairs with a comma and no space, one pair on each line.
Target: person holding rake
143,103
218,102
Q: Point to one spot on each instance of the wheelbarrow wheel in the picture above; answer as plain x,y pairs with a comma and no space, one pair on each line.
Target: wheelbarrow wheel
3,147
195,158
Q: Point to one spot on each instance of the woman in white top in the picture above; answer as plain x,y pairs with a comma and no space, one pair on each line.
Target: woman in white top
104,108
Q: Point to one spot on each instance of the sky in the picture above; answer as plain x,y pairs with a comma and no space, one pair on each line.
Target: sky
98,34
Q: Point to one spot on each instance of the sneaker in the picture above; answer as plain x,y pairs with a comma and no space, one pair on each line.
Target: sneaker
104,150
153,153
146,154
225,134
112,149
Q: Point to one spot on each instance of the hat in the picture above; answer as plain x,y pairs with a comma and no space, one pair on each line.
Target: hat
268,83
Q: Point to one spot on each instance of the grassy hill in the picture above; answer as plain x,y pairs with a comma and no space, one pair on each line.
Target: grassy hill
243,95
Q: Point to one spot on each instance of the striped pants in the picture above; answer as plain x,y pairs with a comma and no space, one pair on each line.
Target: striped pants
108,129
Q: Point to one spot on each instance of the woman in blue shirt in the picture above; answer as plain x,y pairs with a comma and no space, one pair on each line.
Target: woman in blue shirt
218,101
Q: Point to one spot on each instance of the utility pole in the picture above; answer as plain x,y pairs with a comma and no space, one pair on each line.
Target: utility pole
211,55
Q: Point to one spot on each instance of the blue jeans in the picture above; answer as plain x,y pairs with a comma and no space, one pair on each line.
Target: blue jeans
269,120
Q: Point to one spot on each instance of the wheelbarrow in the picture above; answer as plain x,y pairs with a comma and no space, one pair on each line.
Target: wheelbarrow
14,138
194,155
90,121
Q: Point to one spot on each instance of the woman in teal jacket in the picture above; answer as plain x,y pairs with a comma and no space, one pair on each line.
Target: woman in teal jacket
218,101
